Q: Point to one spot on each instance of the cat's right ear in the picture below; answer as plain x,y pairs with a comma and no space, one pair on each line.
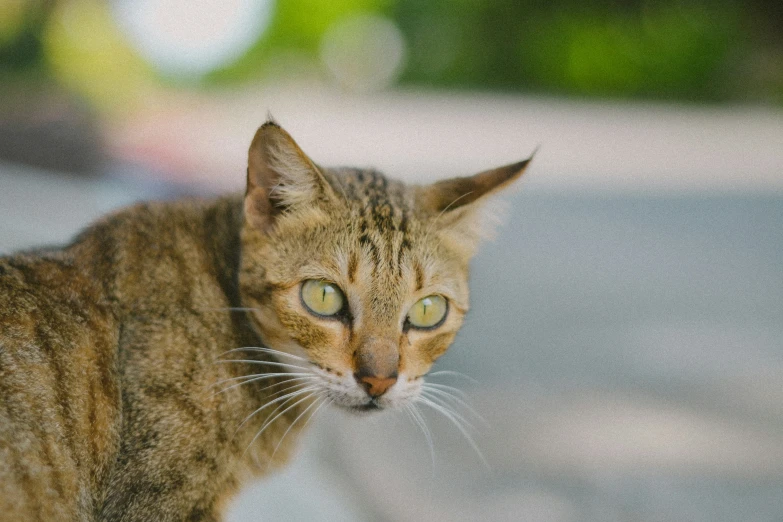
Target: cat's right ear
280,177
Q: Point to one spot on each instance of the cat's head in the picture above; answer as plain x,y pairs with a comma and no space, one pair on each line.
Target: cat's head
362,277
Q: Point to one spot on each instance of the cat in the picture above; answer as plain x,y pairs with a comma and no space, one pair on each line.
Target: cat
174,350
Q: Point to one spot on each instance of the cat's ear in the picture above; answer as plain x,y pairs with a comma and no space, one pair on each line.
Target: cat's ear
280,177
457,204
452,194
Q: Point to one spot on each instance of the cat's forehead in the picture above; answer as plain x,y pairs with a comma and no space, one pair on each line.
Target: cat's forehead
372,190
376,239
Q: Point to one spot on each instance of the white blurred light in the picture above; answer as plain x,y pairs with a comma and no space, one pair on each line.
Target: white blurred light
192,37
364,52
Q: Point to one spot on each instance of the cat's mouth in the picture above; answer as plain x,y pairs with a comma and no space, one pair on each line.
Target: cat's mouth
371,405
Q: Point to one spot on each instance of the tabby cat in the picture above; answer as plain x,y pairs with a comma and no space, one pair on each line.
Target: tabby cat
174,350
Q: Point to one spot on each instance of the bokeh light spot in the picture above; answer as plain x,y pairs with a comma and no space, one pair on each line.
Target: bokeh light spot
364,52
186,38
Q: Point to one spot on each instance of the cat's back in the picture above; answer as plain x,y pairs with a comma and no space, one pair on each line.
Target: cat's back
59,396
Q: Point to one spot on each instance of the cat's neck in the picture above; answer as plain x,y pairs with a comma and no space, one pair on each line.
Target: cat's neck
171,263
166,255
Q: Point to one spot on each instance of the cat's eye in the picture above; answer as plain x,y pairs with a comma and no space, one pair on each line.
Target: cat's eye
322,297
429,312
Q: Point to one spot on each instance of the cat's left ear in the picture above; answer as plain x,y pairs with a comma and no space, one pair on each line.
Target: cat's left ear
455,203
454,193
280,177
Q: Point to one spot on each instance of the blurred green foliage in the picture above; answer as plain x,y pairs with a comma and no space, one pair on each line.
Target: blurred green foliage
295,33
21,26
670,49
664,52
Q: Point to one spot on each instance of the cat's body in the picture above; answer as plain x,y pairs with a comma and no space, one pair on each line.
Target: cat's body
107,354
110,349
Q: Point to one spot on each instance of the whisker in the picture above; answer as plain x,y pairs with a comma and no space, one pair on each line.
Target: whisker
278,392
269,463
415,415
305,378
265,363
264,350
287,381
457,400
262,375
279,407
447,388
448,407
274,401
269,422
327,401
459,426
452,373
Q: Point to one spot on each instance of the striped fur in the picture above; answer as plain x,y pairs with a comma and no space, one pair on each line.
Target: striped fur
108,347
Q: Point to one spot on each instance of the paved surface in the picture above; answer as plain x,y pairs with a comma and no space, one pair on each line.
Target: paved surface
628,350
629,354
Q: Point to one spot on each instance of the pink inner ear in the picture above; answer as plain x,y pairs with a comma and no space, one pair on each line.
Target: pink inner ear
258,210
288,177
262,176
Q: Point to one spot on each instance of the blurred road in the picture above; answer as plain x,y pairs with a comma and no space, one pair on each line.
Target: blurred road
629,354
627,347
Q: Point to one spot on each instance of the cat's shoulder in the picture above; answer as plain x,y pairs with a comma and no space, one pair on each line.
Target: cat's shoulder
24,276
47,293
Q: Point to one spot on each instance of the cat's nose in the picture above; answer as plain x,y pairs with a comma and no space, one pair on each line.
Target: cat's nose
375,386
376,361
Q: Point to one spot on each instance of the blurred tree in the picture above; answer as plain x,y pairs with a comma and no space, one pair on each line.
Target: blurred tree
660,52
21,25
667,49
675,50
297,29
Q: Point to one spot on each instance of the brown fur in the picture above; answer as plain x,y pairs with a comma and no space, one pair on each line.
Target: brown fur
108,347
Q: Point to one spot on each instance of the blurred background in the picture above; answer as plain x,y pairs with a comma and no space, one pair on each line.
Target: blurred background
626,334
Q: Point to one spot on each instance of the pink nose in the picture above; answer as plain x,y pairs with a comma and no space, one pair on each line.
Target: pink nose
375,386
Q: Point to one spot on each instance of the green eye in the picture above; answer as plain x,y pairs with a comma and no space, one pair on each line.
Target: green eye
428,312
322,298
